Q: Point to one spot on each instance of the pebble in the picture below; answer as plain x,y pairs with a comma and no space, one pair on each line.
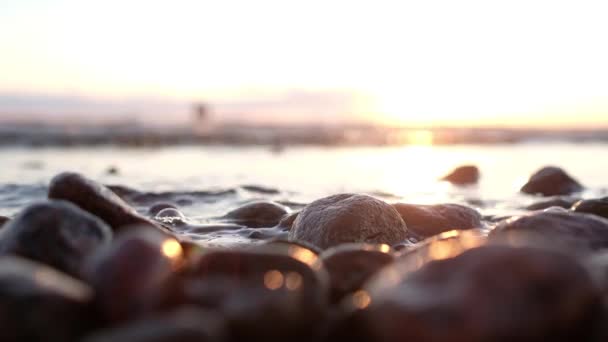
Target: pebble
257,214
38,303
551,181
131,276
4,220
429,220
96,199
56,233
347,218
462,175
598,206
489,293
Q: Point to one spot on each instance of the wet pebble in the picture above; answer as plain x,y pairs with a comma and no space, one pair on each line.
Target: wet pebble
3,220
598,206
56,233
551,181
264,293
490,293
187,324
261,189
560,202
96,199
429,220
466,174
350,265
348,218
131,276
38,303
257,214
555,228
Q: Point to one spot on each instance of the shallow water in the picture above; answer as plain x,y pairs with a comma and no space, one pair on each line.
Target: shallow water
208,181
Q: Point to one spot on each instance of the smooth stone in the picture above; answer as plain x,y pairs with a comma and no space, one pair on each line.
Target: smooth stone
257,214
350,265
157,207
346,218
38,303
466,174
287,244
555,228
260,189
429,220
287,221
4,220
264,293
490,293
560,202
598,206
187,324
56,233
131,276
96,199
551,181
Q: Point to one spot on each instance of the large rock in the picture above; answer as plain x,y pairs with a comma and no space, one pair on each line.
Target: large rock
351,265
429,220
466,174
556,228
131,277
551,181
184,325
492,293
56,233
598,206
257,214
269,293
38,303
347,218
96,199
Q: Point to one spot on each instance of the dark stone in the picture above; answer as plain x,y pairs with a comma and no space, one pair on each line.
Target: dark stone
492,293
131,276
429,220
56,233
466,174
3,220
184,325
560,202
551,181
265,294
112,170
286,244
556,228
156,208
257,214
351,265
38,303
96,199
260,189
347,218
598,206
287,221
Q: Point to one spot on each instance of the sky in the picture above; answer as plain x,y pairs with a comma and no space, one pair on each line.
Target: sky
418,63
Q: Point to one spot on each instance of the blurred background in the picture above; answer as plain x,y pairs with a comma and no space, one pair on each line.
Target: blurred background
222,93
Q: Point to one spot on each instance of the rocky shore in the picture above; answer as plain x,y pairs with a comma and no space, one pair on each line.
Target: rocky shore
85,265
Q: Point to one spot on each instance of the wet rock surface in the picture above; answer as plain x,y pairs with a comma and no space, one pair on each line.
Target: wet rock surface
257,214
462,175
131,276
38,303
350,265
429,220
537,295
96,199
556,228
56,233
347,218
3,220
597,207
551,181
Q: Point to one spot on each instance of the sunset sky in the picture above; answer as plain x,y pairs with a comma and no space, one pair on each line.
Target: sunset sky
461,63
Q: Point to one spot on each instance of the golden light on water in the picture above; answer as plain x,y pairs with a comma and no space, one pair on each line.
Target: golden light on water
273,280
361,299
171,248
